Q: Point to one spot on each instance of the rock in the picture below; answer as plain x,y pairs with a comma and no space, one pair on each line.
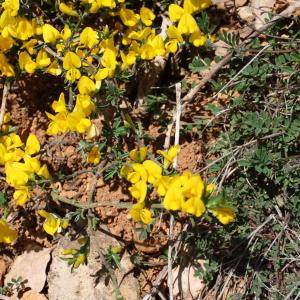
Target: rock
90,281
221,4
33,295
221,48
261,11
246,14
31,266
186,284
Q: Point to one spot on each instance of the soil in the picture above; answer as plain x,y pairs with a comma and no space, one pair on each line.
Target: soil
27,104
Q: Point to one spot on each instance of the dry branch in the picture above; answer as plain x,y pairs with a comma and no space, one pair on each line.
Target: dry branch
3,103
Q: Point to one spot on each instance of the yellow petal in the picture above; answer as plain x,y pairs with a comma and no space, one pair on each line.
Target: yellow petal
32,144
187,24
50,34
223,214
175,12
86,85
7,235
68,10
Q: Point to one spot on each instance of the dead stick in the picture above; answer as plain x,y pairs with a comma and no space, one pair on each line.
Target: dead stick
75,203
3,104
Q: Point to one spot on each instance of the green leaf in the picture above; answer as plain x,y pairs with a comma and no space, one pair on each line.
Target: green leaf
198,64
3,200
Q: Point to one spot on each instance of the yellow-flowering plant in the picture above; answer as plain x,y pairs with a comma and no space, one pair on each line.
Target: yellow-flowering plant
184,192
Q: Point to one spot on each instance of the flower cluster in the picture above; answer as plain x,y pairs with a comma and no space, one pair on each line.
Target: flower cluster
19,163
84,55
76,120
185,192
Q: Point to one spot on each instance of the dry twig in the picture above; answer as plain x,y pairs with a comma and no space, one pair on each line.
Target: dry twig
3,104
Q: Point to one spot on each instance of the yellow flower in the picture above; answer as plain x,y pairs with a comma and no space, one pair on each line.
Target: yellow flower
187,24
29,46
169,155
76,121
138,173
128,59
198,38
174,33
224,214
107,3
138,155
5,68
138,212
58,123
43,172
84,104
175,38
5,126
54,69
139,35
94,156
139,191
66,32
153,169
125,170
12,141
32,144
194,206
32,164
68,9
11,6
173,199
21,195
156,41
17,173
147,16
22,29
42,59
73,74
89,37
195,6
7,234
6,43
60,105
109,62
26,63
175,12
128,17
147,52
51,224
50,34
36,27
162,185
211,187
71,61
86,85
192,190
172,46
154,46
